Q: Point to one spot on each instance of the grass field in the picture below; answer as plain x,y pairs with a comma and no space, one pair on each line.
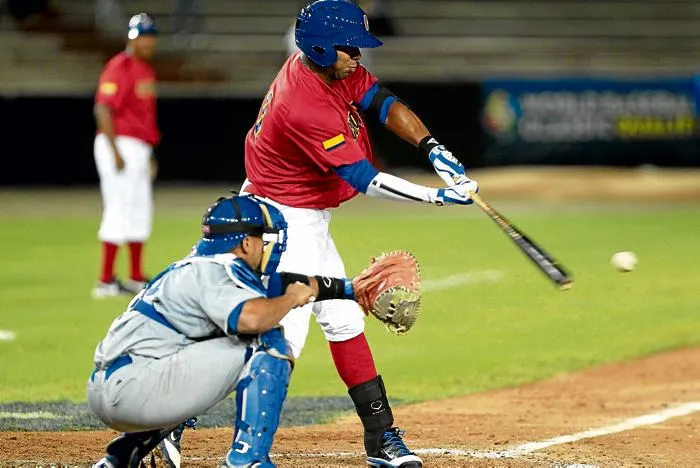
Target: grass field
469,337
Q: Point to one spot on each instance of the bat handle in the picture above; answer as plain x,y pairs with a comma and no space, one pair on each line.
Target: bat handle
477,199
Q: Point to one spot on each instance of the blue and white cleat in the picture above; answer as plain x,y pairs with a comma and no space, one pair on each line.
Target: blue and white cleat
231,462
394,452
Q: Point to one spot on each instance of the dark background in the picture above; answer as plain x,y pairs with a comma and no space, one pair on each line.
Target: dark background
48,140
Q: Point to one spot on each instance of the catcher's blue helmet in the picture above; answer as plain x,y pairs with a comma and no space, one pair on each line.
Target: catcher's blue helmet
142,24
229,220
325,24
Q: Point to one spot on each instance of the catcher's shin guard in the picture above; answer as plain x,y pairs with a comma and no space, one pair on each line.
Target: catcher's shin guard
260,394
374,411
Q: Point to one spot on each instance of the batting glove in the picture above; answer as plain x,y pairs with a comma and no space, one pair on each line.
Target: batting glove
446,165
459,194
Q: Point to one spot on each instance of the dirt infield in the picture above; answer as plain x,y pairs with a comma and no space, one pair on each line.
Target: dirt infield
590,184
488,429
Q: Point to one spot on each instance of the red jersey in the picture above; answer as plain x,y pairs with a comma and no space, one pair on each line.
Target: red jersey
304,129
128,86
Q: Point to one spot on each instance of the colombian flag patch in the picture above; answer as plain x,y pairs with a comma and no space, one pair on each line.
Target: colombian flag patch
334,142
108,88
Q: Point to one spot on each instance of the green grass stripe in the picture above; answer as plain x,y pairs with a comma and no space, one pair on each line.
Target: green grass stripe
471,336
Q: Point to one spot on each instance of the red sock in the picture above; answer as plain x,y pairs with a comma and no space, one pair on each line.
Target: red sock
109,255
135,249
353,360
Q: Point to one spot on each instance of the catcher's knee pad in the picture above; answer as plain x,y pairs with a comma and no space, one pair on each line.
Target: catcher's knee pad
260,394
274,342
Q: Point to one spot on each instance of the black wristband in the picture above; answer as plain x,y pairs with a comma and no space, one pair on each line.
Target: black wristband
426,145
330,288
291,278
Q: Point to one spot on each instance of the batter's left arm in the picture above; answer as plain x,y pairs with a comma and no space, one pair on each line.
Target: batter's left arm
403,122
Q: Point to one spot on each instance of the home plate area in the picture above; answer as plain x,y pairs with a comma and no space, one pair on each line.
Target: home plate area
643,412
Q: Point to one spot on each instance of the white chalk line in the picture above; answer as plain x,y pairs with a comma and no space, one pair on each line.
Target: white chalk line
460,279
626,425
7,335
529,447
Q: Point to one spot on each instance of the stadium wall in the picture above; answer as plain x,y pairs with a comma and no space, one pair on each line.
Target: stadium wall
48,140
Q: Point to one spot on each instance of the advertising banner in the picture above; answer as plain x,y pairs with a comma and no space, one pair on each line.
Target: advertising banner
556,119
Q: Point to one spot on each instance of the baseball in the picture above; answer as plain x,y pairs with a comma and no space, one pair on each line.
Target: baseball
624,261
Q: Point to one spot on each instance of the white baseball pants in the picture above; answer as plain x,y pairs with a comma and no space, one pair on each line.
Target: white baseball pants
311,251
127,195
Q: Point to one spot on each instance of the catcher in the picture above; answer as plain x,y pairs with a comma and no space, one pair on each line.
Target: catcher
208,325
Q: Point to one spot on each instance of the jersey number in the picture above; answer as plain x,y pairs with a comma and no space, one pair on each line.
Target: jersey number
261,114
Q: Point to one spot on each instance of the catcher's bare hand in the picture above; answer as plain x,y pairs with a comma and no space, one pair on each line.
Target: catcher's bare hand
300,293
389,289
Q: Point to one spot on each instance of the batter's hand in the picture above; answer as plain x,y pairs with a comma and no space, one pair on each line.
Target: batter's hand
446,165
468,184
301,293
154,168
458,194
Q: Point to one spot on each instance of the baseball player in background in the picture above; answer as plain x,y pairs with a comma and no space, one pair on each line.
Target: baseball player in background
309,151
125,111
203,328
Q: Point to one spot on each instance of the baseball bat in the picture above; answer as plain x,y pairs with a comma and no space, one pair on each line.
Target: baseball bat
548,265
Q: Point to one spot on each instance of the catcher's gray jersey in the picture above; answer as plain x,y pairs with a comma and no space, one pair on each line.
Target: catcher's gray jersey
178,338
198,296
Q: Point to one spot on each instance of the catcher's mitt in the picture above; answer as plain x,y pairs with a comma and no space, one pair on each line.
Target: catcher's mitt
389,288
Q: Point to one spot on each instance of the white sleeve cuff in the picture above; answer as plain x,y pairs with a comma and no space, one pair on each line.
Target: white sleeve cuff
395,188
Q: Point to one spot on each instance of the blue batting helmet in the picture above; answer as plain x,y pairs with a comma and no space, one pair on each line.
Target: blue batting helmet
325,24
142,24
229,220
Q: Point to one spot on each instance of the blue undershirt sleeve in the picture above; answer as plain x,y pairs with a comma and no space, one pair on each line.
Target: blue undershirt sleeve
358,175
367,98
232,321
386,105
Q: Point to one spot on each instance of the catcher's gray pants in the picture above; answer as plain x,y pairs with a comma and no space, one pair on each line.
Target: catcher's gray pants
160,393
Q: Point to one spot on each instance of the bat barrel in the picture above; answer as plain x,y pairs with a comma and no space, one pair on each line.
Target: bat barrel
534,252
